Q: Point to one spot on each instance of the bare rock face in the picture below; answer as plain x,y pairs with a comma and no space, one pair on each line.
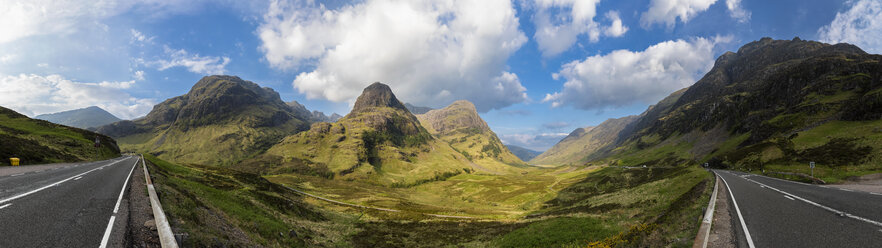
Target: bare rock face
377,95
461,114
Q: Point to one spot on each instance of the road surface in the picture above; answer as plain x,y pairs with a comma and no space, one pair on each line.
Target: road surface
769,212
70,205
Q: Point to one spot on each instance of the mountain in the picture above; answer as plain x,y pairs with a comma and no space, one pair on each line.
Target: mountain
460,125
523,153
774,104
82,118
301,112
575,148
221,120
379,141
416,109
37,141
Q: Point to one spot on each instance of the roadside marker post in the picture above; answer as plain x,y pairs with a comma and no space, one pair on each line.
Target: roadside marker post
812,164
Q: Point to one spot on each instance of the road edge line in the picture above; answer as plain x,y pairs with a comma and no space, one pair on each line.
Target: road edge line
707,222
738,211
166,237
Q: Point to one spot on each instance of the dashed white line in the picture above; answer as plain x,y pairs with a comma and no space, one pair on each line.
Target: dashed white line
53,184
7,205
840,213
846,190
791,198
78,178
15,175
741,218
875,193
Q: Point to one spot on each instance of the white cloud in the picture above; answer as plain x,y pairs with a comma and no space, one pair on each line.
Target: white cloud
139,75
533,141
624,77
25,18
32,95
667,11
430,52
737,12
207,65
559,23
615,29
139,37
860,25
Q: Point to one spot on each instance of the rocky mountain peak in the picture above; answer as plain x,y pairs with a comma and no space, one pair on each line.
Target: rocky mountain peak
377,95
458,115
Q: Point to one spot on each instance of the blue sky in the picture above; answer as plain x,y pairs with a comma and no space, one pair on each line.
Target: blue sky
536,69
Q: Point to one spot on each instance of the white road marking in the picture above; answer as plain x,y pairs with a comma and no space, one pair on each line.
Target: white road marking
875,193
840,213
741,218
846,190
15,175
116,208
78,178
7,205
791,198
53,184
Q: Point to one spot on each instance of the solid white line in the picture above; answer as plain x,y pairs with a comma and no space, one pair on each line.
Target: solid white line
53,184
737,210
840,213
4,206
123,190
107,233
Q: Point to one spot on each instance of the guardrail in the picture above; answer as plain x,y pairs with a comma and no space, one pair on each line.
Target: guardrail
706,223
166,237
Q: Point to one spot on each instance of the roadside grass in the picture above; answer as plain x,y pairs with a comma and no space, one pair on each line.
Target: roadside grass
220,207
37,141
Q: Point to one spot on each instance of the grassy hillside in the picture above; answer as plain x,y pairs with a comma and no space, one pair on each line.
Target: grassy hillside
460,126
38,141
575,148
222,120
776,106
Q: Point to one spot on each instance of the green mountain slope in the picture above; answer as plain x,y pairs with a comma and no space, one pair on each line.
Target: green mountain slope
378,141
523,153
222,120
460,125
575,148
774,105
38,141
81,118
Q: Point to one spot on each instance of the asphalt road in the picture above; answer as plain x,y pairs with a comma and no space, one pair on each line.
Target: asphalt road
778,213
67,206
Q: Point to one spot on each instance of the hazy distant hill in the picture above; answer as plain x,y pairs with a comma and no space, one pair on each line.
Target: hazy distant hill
416,109
772,105
38,141
460,125
575,148
82,118
378,141
523,153
223,119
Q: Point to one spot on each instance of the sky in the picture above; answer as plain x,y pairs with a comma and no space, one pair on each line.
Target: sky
535,69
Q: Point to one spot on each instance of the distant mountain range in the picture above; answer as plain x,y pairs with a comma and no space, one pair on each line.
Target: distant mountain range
37,141
523,153
222,120
772,104
81,118
417,110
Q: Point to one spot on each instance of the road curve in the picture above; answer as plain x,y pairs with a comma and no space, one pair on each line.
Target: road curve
779,213
66,206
